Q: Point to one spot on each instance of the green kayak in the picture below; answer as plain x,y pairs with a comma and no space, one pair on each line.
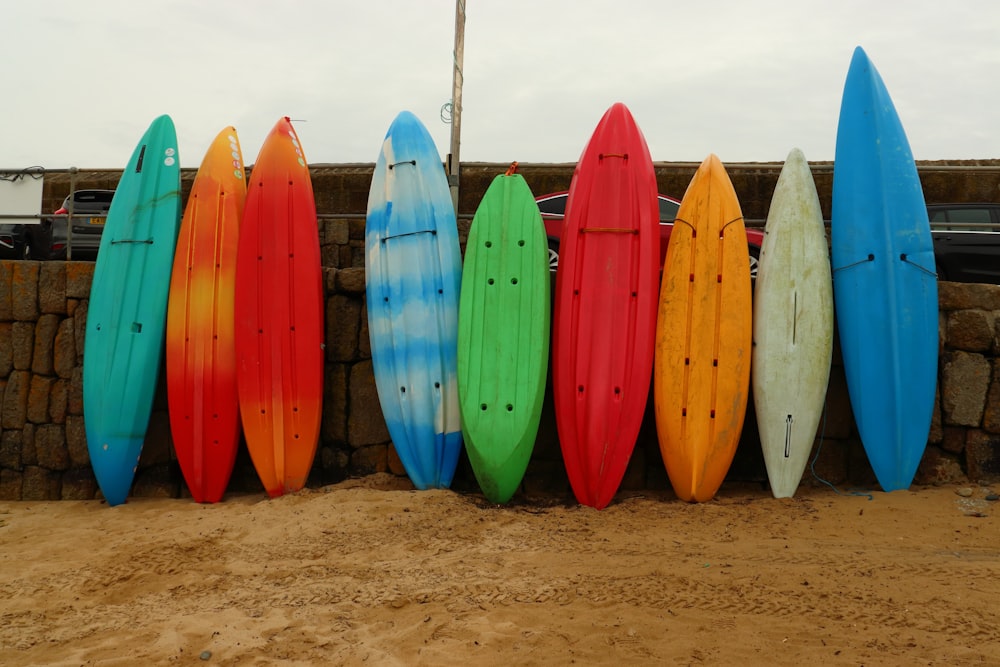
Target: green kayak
503,335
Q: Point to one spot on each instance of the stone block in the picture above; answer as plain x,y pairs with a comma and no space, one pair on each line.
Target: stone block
464,480
938,468
365,423
828,463
22,337
159,481
335,462
40,484
58,401
76,442
337,232
953,439
966,378
24,291
991,412
6,279
52,288
859,469
79,484
936,433
11,482
75,394
395,463
6,349
28,456
356,253
982,456
64,355
10,450
356,227
364,341
78,278
38,399
345,253
965,296
342,322
546,479
329,279
329,256
635,473
369,460
335,404
547,447
351,280
80,328
657,478
244,478
970,330
50,447
14,412
157,447
839,422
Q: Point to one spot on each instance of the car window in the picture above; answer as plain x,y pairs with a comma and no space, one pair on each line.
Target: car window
668,210
974,215
93,197
553,205
556,205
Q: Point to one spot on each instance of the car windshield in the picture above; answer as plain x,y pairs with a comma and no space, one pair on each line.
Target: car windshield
556,205
90,200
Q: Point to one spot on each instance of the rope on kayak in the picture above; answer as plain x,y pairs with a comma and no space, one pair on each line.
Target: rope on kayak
812,466
906,260
870,258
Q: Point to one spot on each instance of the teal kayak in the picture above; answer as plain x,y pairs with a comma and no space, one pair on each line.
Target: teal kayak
126,315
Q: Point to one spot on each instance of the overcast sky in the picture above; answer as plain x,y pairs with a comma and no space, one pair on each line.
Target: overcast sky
747,81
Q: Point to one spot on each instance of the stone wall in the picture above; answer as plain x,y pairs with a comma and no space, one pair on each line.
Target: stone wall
43,453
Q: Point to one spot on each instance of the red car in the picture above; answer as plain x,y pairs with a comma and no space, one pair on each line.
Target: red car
553,207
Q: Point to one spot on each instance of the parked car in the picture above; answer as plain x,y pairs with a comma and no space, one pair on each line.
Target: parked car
49,239
966,241
553,208
12,241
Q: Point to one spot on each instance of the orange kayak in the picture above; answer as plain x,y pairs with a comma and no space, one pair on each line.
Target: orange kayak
701,371
201,359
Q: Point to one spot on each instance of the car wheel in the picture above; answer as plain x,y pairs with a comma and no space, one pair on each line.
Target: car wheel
24,251
754,263
553,255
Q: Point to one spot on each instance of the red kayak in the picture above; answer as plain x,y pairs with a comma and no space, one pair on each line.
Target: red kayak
607,287
279,315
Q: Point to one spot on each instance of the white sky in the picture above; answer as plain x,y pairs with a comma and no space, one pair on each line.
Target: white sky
748,81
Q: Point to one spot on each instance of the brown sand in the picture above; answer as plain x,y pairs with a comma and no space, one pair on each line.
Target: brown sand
372,572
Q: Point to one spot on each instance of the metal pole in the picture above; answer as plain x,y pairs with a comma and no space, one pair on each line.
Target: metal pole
69,219
457,80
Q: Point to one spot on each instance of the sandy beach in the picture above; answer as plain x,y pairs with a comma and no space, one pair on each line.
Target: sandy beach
371,571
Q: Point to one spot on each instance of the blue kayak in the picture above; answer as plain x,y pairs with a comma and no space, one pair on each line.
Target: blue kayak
413,273
885,285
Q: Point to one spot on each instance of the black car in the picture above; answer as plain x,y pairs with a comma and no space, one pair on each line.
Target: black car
12,241
966,241
87,211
